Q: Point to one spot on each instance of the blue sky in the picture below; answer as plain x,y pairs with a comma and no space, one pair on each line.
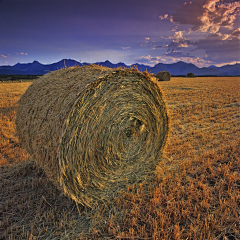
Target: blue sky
202,32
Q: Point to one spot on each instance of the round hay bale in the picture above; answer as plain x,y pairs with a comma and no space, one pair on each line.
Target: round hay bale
163,76
94,130
190,75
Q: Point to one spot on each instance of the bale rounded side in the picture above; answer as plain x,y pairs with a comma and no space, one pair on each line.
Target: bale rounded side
94,130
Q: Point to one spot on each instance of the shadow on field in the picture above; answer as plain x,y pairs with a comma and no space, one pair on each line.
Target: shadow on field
32,208
8,110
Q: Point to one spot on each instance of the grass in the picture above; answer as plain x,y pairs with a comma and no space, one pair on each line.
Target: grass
195,195
11,151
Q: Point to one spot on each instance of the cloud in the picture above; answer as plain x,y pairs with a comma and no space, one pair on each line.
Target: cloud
236,33
208,15
172,58
125,48
186,3
146,41
22,53
178,42
171,19
148,60
225,36
164,17
211,30
218,50
178,35
174,29
218,15
177,54
5,55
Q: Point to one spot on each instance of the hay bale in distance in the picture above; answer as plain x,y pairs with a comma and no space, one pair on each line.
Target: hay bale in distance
94,130
163,76
190,75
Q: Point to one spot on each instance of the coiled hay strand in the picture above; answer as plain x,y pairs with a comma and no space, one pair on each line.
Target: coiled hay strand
94,130
163,76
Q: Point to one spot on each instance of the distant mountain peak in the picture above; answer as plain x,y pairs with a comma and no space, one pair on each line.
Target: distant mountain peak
36,63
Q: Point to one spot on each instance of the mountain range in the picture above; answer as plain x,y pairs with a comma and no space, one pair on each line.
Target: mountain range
176,69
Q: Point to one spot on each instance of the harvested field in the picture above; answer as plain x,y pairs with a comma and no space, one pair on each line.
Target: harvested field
196,194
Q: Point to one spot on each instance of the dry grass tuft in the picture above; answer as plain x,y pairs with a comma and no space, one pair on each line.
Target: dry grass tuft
94,130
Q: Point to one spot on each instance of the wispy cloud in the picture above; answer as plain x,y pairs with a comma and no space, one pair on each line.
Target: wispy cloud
22,53
225,36
4,56
236,33
164,17
149,60
186,3
125,48
178,42
146,41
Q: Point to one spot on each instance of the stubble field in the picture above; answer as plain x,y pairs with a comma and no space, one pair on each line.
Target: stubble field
195,194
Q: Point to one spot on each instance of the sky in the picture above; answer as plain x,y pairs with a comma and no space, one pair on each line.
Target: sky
202,32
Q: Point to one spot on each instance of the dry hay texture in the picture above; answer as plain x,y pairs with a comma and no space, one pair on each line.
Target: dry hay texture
163,76
94,130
